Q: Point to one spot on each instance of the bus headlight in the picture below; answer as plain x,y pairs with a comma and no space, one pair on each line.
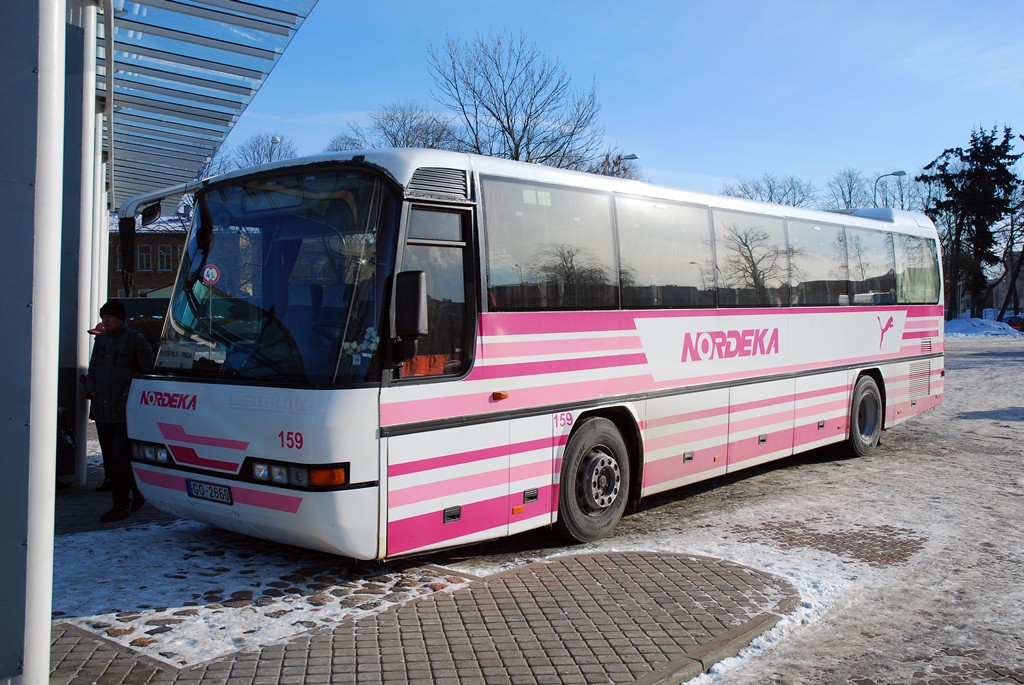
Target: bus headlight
279,474
261,471
151,452
299,477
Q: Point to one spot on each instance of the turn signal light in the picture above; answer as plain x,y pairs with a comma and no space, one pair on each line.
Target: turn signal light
328,477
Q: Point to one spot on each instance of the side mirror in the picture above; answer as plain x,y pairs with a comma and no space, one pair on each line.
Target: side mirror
410,306
126,232
150,213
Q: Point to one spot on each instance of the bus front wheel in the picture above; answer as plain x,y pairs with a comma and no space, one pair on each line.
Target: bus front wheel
594,484
865,417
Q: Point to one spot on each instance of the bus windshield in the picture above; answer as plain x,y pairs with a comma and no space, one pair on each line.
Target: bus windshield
283,279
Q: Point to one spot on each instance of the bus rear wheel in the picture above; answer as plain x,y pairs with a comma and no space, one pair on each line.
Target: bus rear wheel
865,417
594,483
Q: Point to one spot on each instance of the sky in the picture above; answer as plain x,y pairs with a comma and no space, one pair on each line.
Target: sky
704,93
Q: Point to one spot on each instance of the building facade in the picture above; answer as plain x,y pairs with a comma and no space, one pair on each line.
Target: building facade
158,250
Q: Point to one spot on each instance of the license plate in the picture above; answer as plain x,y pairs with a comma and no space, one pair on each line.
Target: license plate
208,491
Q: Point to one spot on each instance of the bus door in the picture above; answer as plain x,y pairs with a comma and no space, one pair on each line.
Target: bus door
447,476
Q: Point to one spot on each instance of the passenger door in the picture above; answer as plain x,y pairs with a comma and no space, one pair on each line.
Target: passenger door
446,482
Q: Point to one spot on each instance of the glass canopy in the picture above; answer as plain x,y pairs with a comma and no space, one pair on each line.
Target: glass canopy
183,71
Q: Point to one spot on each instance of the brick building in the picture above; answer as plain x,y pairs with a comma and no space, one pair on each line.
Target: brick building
158,249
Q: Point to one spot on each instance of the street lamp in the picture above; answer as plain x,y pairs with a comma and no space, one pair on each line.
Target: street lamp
874,192
276,140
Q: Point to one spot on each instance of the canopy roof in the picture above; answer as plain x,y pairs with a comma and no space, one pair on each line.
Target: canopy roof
183,72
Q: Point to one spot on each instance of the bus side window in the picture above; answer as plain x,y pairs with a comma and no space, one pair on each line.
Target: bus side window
442,351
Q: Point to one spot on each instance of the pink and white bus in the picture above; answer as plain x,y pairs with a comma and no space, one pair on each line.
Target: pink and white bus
384,352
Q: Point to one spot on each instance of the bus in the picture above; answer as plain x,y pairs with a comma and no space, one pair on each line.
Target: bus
384,352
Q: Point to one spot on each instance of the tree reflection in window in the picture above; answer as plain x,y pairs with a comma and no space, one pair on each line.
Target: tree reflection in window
817,257
872,267
753,268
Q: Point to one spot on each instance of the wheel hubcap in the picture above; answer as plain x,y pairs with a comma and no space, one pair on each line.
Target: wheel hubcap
600,479
867,416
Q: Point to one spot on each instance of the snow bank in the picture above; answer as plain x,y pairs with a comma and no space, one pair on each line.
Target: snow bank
963,328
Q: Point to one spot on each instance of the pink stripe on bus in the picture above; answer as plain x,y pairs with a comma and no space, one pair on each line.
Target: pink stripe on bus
526,348
445,488
397,413
671,468
466,457
177,432
713,412
688,436
556,366
266,500
534,323
187,455
288,504
429,529
537,323
912,335
809,433
751,448
760,420
412,411
923,323
158,479
823,408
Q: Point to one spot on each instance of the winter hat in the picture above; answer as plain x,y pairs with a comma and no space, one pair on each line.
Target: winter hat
113,308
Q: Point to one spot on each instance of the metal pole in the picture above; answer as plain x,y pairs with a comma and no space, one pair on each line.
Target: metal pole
99,270
45,317
86,228
108,40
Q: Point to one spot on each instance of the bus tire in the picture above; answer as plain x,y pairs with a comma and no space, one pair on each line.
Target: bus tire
594,484
865,417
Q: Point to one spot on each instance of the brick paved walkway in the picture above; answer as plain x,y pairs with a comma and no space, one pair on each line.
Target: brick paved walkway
627,617
598,618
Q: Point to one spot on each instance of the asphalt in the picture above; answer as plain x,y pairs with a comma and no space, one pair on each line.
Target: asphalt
616,617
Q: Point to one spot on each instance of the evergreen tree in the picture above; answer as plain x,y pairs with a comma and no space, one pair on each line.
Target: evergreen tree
971,191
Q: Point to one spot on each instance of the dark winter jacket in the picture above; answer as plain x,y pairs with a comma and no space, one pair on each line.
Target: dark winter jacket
116,357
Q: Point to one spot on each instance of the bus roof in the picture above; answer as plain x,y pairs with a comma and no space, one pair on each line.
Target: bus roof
402,164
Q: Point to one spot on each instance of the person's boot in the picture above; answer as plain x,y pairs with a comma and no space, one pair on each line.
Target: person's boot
115,515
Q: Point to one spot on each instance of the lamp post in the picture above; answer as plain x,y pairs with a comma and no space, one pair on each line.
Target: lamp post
276,140
874,192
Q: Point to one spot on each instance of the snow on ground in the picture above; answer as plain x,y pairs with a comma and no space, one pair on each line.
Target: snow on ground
185,593
965,328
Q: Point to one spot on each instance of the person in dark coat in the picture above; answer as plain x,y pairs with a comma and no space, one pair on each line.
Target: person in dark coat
118,354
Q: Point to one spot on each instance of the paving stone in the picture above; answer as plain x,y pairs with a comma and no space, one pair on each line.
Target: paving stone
608,617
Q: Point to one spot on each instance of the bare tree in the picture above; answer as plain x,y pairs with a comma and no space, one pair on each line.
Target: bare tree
847,189
262,148
565,263
900,192
1010,235
512,101
780,190
752,260
400,124
614,163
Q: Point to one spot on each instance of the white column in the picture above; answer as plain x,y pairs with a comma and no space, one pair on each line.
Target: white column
87,227
44,331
